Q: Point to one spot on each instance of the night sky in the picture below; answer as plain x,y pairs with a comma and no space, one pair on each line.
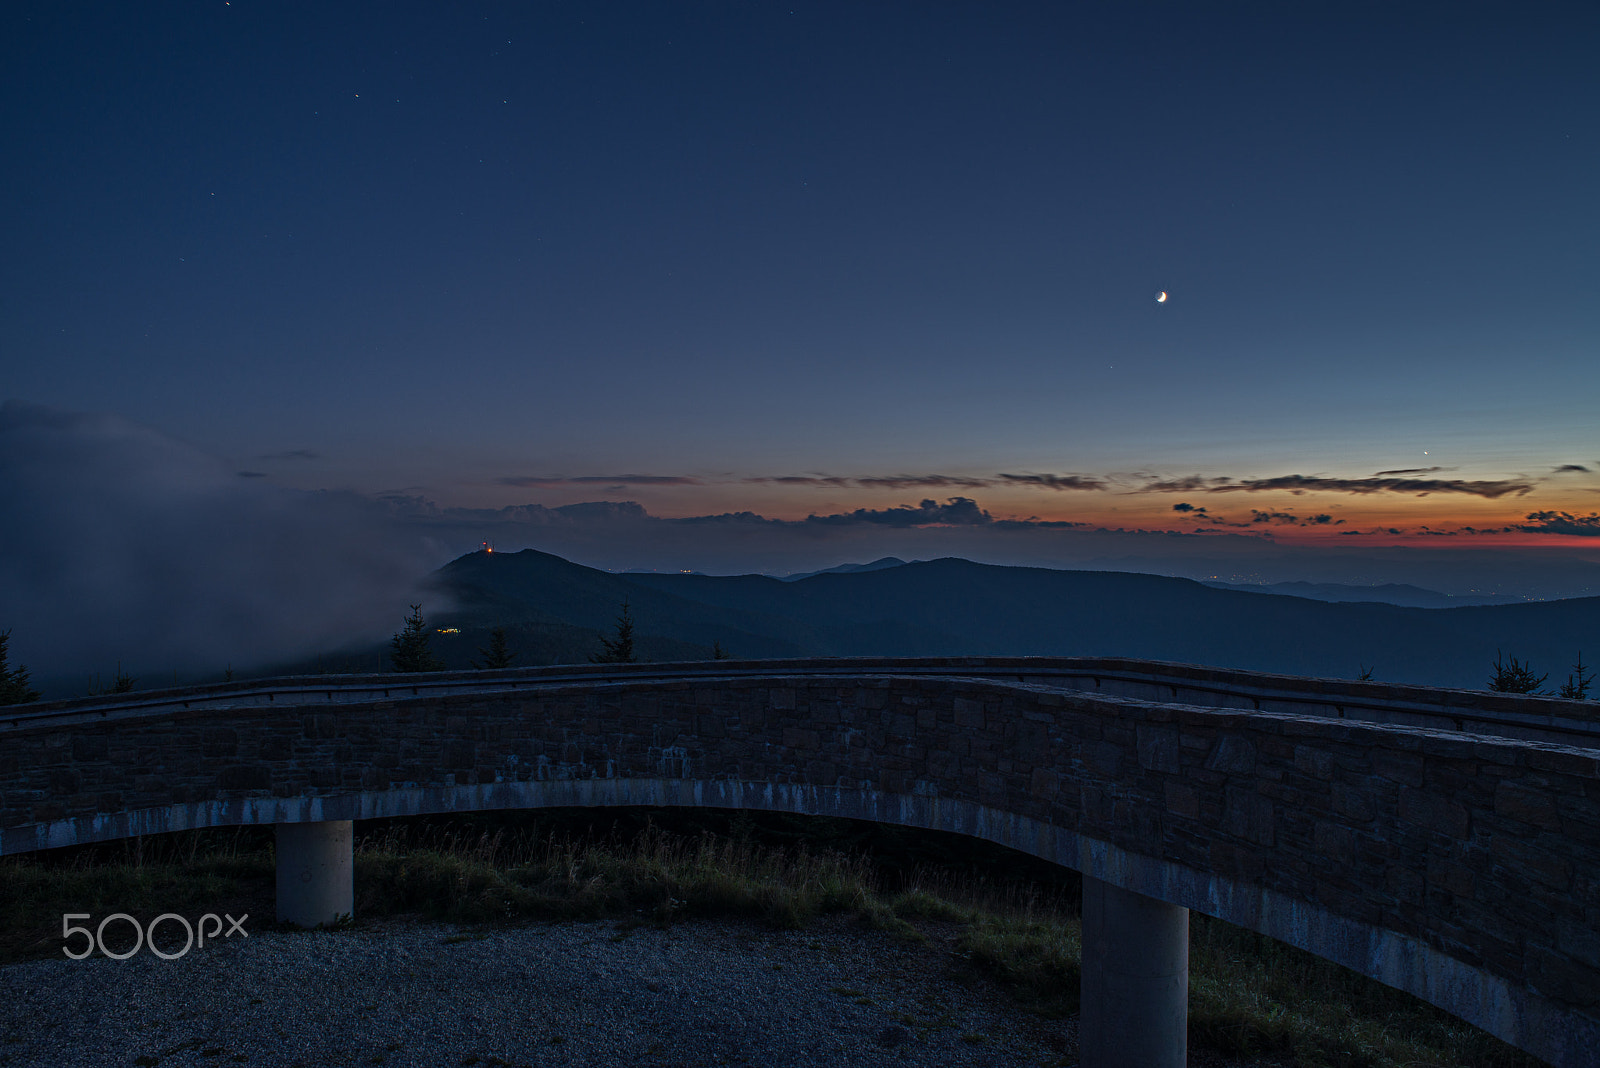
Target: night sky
893,267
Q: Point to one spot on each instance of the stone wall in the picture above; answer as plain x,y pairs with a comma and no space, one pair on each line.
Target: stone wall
1464,868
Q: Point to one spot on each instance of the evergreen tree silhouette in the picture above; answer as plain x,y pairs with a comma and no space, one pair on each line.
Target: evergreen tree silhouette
618,650
498,655
408,650
14,688
1515,677
1576,688
123,683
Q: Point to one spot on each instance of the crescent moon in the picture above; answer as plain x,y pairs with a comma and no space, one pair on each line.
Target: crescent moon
1161,297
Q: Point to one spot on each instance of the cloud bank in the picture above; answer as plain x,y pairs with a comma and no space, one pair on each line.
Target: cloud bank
1587,526
526,481
119,543
1400,481
959,511
1418,486
1057,482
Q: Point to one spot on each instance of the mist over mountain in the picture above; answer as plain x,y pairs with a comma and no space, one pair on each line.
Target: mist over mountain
123,545
120,544
557,609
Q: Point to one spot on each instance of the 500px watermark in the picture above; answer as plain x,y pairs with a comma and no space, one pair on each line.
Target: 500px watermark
96,938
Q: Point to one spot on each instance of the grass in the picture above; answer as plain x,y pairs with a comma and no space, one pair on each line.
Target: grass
657,877
190,874
1249,995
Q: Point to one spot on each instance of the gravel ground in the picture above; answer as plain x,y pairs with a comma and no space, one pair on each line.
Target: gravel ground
411,993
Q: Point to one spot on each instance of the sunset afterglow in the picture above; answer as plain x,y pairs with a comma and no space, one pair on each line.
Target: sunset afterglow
1277,293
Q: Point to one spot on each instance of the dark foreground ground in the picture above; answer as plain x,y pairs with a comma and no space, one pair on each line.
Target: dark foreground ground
411,993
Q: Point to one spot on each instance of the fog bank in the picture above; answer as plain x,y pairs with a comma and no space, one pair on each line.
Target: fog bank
118,543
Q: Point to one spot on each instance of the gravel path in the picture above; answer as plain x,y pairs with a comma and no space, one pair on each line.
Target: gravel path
405,993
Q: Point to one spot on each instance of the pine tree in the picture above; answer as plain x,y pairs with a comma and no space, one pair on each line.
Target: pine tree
618,650
123,682
1576,688
498,655
409,649
14,688
718,652
1515,677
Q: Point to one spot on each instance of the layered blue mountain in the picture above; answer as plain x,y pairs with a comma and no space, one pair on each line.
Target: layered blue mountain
846,569
1388,593
555,611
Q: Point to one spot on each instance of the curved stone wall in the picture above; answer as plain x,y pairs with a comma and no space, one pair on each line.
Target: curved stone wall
1459,867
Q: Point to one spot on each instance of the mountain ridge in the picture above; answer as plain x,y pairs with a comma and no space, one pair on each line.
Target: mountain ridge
1396,593
953,606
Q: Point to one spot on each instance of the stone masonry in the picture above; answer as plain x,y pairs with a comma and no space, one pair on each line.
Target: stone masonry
1482,851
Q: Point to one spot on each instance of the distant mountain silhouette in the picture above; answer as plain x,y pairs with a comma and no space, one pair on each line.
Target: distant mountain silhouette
556,610
745,615
849,569
1388,593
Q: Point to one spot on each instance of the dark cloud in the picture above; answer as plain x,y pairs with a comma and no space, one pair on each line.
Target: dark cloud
921,481
727,519
1587,526
1290,519
958,511
527,481
1407,471
1035,523
1564,468
1201,513
1056,482
1419,486
802,480
1187,484
292,454
1397,481
877,481
609,515
124,544
250,474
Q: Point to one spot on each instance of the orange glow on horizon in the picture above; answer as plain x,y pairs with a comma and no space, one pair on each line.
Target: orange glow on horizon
1487,511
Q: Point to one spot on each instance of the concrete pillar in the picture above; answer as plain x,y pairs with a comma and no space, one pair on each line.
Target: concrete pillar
315,882
1134,1011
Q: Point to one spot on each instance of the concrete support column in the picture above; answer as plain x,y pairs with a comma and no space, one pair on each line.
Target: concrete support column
315,881
1135,1004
